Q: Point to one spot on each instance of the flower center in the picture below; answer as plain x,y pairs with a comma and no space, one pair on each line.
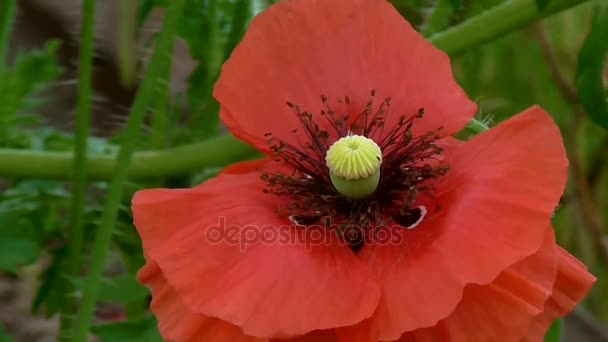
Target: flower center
356,175
354,165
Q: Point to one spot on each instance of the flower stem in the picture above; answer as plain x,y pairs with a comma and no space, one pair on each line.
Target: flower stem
159,134
127,23
241,15
83,109
493,23
184,159
120,172
214,52
7,16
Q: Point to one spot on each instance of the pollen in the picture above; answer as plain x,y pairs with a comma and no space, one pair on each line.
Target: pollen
354,165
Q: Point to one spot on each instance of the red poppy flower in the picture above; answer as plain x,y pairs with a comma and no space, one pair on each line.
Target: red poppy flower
452,243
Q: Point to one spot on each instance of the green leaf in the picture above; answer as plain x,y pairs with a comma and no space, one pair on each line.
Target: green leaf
52,281
4,337
555,333
30,74
20,91
123,289
18,244
142,330
590,66
541,4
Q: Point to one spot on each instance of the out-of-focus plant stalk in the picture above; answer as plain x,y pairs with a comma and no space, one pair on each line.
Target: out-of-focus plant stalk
184,159
214,54
242,13
7,18
83,119
126,41
159,134
103,238
493,23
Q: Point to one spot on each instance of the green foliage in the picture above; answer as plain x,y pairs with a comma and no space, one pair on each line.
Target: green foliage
555,332
18,244
4,337
50,294
211,28
591,61
20,91
123,289
439,18
541,4
143,330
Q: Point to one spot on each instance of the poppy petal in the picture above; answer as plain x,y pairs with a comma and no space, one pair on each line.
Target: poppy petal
228,254
315,336
298,50
489,212
572,284
503,309
247,166
177,322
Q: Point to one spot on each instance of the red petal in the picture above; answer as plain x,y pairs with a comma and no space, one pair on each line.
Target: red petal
247,166
299,49
502,188
503,309
177,322
315,336
572,284
269,288
494,205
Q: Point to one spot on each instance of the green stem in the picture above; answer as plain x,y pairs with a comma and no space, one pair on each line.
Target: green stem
159,134
7,16
120,173
184,159
126,40
241,15
214,52
478,30
494,23
83,113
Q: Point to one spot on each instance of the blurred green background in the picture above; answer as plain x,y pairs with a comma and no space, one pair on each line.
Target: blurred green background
537,64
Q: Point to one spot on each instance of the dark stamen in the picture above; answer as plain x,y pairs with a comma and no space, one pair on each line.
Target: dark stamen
409,163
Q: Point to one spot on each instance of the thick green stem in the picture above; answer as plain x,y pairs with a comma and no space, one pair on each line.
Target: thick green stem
494,23
7,17
120,172
489,25
83,111
184,159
